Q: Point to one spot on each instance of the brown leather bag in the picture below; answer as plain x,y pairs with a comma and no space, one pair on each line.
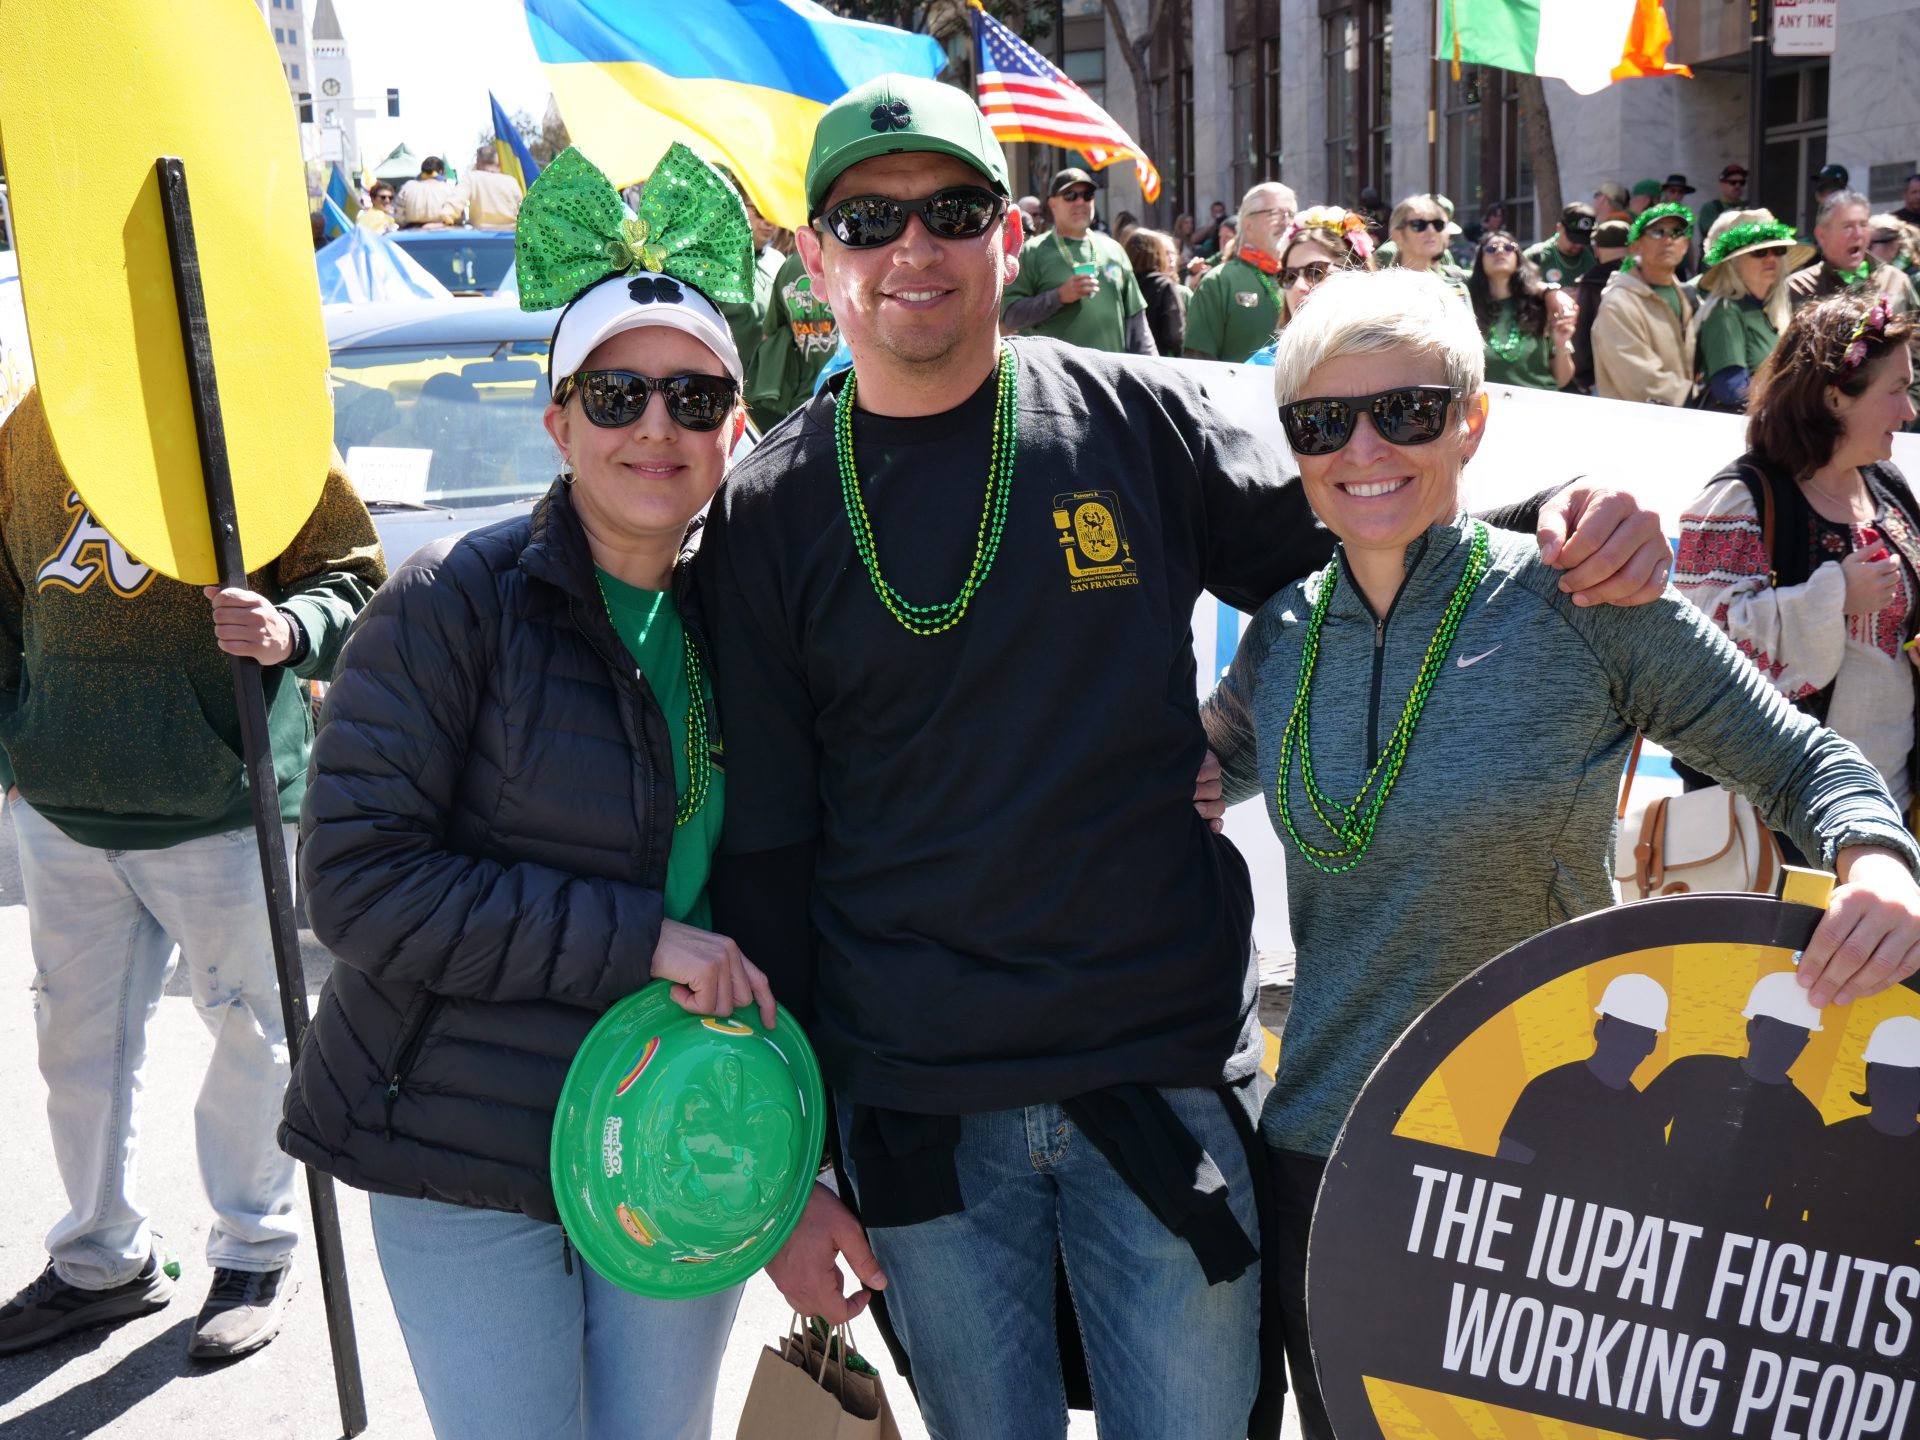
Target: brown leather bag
1704,840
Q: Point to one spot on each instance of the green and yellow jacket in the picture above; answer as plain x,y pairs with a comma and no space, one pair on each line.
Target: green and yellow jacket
117,713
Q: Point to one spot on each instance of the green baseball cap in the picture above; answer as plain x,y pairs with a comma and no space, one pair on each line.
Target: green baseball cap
895,115
1646,187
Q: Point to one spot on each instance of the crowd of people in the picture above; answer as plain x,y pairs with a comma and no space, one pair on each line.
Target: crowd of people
971,844
1633,296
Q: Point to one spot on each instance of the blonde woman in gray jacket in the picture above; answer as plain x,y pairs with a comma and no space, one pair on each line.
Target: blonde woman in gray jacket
1380,705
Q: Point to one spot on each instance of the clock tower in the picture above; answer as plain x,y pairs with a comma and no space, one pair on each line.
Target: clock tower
333,89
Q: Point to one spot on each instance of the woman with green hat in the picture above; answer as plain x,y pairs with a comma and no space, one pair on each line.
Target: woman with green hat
1745,306
515,800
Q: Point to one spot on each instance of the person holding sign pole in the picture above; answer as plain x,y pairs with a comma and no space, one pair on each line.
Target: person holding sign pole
119,744
1377,704
516,794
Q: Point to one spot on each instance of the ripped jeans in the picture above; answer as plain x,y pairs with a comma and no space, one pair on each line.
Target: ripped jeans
107,928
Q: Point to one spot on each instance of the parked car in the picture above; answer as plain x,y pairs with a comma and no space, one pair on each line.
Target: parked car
465,260
437,409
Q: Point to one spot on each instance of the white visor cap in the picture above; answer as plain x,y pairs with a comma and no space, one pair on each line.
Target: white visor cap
633,301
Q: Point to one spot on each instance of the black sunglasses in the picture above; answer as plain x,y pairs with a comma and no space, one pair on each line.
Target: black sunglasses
1313,274
1409,415
614,398
1081,193
960,212
1421,226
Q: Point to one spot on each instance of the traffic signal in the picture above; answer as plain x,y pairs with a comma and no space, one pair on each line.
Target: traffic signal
393,104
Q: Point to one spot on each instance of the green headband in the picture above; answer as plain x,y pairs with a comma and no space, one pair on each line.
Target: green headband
1655,213
574,231
1754,232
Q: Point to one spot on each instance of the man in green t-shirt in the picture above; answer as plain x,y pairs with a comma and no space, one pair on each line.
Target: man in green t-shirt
1076,284
1236,307
1567,254
797,340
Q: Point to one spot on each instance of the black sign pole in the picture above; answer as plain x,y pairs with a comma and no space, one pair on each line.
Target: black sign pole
258,758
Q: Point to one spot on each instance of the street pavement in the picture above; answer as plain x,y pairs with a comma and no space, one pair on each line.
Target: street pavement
133,1382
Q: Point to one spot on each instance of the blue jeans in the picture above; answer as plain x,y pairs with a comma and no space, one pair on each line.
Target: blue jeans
971,1295
504,1342
108,927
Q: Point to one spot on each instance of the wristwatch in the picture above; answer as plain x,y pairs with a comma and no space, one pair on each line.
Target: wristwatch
302,647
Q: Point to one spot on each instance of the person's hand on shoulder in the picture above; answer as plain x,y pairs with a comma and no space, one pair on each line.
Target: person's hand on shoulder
1611,546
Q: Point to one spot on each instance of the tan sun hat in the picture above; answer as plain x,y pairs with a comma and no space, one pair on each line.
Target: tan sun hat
1742,232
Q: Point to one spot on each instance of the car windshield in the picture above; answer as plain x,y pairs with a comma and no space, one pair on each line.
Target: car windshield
452,425
465,263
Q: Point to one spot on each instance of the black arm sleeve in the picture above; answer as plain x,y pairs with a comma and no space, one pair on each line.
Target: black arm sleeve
763,903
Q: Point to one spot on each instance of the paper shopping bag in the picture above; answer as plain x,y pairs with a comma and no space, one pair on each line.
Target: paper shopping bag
815,1386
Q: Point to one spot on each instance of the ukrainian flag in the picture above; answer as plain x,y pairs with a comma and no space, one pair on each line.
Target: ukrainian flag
343,208
741,82
515,159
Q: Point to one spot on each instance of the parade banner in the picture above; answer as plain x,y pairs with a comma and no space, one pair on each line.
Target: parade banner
97,278
1624,1183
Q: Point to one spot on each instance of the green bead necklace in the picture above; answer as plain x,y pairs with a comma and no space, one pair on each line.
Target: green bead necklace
1353,825
932,619
1506,346
699,759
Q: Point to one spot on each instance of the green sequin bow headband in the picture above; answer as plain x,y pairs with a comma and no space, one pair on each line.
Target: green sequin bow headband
1754,232
573,231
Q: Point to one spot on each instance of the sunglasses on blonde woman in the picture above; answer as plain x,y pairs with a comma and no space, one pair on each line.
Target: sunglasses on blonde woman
1407,415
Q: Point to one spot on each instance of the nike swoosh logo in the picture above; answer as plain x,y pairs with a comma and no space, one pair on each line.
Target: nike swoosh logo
1466,660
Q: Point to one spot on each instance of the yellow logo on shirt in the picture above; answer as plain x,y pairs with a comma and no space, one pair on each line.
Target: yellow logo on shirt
1093,538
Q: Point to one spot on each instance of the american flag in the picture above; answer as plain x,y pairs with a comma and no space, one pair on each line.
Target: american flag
1026,97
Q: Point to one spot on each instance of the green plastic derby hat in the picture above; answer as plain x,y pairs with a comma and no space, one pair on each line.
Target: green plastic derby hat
895,115
685,1146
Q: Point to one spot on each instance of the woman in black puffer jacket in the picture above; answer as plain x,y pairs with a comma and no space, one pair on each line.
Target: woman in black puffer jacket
511,815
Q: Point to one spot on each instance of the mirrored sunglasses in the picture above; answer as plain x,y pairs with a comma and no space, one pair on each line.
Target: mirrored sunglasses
1666,232
960,212
1080,194
615,398
1408,415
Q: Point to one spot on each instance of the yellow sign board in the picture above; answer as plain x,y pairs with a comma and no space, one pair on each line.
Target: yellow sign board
92,93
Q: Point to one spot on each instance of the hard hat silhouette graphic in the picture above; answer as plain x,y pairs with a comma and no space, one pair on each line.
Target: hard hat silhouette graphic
1779,997
1637,999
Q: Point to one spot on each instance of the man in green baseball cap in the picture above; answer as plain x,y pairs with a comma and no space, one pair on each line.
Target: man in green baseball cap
950,600
901,115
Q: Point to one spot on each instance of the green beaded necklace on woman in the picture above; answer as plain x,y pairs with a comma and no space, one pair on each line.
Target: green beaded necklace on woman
1353,825
699,757
932,619
1506,346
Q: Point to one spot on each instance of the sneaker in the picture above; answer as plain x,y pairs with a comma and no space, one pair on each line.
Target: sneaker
50,1307
243,1312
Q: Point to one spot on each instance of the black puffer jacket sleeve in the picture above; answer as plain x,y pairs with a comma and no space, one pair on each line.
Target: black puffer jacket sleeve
389,889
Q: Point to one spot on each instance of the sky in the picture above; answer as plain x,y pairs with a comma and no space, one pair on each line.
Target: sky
443,56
